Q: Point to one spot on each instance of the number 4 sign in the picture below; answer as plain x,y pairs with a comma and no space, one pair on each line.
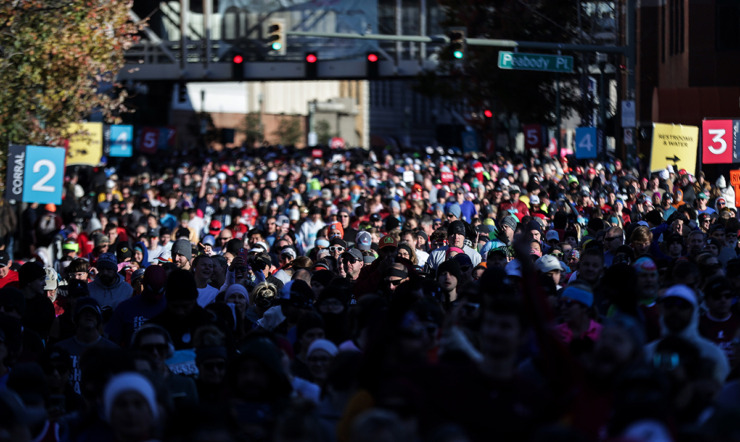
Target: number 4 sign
586,143
35,174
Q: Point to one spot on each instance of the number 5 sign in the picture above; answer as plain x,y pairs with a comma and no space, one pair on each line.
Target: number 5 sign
35,174
532,136
717,142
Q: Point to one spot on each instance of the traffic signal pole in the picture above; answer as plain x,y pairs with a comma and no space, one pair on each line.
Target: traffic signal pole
493,42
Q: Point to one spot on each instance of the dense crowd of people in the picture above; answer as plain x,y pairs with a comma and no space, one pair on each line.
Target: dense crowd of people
356,295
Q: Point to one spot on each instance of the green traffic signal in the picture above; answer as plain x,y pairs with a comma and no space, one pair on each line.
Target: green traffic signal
276,46
457,42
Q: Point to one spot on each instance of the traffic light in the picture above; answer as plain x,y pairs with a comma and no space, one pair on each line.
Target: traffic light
276,37
182,92
237,67
373,62
311,65
488,113
457,42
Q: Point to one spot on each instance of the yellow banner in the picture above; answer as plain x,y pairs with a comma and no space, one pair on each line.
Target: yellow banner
674,145
86,145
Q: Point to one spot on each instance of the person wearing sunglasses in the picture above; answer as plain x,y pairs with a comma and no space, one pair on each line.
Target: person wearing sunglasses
718,323
679,316
352,262
395,276
337,246
575,306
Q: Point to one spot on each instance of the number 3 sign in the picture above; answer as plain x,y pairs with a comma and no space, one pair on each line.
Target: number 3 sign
717,142
35,174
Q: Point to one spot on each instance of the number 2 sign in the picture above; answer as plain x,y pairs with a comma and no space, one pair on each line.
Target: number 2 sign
35,174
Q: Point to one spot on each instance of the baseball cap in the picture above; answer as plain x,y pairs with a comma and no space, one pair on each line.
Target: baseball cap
548,263
289,251
364,240
51,281
579,294
387,241
683,292
123,251
552,235
354,253
215,227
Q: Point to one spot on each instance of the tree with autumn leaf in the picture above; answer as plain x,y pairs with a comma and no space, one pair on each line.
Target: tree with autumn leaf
58,63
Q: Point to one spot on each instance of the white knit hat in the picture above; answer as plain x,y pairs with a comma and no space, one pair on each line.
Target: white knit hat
322,344
129,381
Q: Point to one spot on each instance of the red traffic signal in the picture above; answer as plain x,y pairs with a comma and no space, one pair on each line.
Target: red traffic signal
372,57
488,113
311,58
238,59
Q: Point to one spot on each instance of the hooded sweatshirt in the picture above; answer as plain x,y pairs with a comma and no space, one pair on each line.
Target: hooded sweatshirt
111,295
727,192
707,349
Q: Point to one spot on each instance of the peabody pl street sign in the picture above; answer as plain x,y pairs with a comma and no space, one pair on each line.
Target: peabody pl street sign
535,62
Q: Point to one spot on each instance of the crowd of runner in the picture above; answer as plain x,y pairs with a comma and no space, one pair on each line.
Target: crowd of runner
272,295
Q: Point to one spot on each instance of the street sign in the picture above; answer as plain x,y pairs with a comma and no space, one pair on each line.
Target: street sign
148,139
469,141
35,174
717,142
587,143
735,183
629,136
628,114
86,144
535,62
674,145
532,136
119,139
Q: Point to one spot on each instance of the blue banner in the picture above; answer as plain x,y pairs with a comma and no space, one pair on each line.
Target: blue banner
121,140
43,175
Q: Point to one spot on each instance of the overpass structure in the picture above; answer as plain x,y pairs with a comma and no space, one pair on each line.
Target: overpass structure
188,40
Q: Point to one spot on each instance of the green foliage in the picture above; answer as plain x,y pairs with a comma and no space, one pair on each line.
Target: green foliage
529,94
56,56
289,130
253,128
323,132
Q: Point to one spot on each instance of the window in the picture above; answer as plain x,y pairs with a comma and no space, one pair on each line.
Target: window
727,25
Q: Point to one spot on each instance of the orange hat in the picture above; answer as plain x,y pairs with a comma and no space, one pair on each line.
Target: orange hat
335,227
50,208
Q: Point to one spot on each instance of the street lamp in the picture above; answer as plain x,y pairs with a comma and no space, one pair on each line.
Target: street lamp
601,60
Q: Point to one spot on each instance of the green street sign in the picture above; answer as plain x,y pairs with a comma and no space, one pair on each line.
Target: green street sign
535,62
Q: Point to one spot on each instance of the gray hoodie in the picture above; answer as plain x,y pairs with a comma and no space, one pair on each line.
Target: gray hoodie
707,349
